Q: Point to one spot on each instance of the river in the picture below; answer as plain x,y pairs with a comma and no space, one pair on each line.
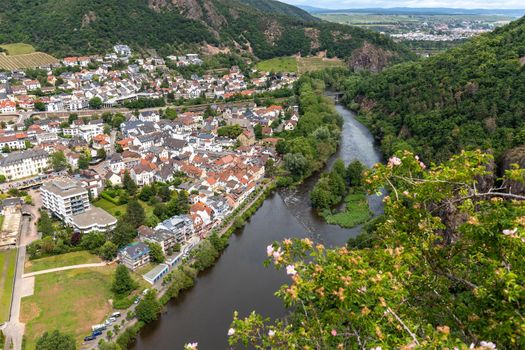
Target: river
239,281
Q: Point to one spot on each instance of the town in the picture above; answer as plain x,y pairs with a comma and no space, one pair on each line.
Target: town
104,154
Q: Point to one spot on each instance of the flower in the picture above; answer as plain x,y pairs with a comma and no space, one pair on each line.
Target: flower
290,270
488,345
510,232
422,165
277,254
271,333
269,250
287,241
406,193
231,332
394,161
333,332
376,348
191,346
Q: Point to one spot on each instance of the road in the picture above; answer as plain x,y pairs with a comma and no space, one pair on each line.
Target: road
63,268
14,330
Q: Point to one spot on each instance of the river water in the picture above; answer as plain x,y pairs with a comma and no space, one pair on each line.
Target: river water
239,281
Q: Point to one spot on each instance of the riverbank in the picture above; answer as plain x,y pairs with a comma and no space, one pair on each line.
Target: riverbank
238,281
184,277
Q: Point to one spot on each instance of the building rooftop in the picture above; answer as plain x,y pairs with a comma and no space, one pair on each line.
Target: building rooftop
93,217
155,272
16,157
64,187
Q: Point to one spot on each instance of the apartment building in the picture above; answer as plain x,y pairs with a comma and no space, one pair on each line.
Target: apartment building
18,165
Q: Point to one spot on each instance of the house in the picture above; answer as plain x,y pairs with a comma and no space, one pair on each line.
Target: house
246,138
290,125
202,216
180,226
164,238
143,173
7,106
113,179
122,50
134,255
150,116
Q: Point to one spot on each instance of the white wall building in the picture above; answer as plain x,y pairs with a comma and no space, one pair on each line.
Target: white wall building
18,165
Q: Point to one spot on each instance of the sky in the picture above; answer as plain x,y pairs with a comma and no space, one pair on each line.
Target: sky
344,4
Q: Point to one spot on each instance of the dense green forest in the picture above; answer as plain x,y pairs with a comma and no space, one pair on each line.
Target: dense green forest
266,28
472,96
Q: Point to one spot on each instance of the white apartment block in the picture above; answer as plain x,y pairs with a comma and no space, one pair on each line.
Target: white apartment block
18,165
69,201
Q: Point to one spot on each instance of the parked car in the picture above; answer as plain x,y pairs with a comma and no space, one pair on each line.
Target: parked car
98,327
115,314
96,333
137,299
89,338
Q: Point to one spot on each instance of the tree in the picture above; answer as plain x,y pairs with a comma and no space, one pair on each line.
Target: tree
354,173
204,255
124,233
149,308
93,241
170,114
296,164
95,103
83,161
129,184
45,224
135,213
101,153
118,119
72,117
123,284
339,168
146,193
55,341
40,106
446,258
108,251
155,252
257,130
58,161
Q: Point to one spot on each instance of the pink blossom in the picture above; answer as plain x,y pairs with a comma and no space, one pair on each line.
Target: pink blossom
290,270
269,250
333,332
406,193
394,161
510,232
422,165
277,254
417,157
231,332
191,346
271,333
488,345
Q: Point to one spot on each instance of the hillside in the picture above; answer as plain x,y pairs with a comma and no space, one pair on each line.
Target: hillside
469,97
265,28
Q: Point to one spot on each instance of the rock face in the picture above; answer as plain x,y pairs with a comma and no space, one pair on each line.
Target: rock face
369,57
514,156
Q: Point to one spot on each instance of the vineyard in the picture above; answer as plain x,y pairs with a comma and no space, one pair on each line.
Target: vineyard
31,60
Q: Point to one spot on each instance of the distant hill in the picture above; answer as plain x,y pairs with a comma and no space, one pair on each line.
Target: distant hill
419,11
472,96
264,28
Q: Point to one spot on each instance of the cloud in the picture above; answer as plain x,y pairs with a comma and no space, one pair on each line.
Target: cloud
343,4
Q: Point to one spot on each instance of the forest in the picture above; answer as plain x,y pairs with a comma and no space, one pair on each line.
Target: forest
468,97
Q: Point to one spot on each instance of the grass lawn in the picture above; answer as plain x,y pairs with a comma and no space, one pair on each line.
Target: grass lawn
18,49
114,209
7,275
356,212
74,258
310,64
111,208
278,64
71,301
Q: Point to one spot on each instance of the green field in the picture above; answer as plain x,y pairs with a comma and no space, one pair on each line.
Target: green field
18,49
299,65
7,277
311,64
119,210
356,212
279,64
70,301
68,259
